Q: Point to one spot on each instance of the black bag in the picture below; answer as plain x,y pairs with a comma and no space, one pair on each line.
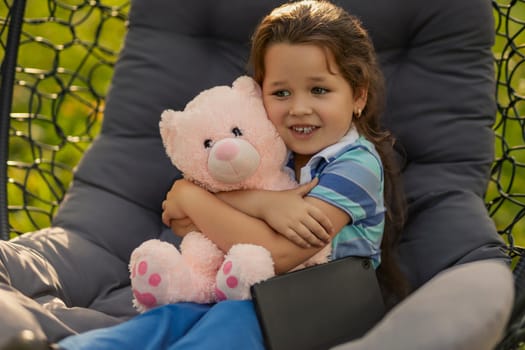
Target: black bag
320,306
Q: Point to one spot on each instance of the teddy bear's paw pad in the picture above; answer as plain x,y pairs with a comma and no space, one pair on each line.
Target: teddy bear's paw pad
142,280
144,301
229,284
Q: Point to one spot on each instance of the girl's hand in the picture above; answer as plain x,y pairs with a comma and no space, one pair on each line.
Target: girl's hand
172,214
288,213
181,227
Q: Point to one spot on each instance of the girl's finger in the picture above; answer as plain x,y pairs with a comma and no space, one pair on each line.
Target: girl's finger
322,220
303,190
306,234
295,238
165,219
317,230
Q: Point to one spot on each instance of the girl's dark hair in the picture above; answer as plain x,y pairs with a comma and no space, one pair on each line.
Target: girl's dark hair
329,26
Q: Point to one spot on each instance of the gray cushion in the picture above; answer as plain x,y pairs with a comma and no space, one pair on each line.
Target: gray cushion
437,61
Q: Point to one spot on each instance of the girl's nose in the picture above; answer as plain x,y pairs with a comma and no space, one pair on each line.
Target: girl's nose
299,108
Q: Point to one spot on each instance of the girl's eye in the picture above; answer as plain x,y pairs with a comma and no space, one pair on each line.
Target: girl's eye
207,143
319,91
237,132
282,93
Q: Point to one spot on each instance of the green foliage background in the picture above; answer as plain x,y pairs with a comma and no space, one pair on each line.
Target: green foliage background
65,64
506,192
66,56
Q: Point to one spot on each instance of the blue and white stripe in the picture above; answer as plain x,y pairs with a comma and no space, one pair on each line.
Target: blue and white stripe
351,178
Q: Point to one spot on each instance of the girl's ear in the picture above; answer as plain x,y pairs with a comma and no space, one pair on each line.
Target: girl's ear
361,97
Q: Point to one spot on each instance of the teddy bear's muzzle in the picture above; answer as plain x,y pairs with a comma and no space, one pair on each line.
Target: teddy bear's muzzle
233,160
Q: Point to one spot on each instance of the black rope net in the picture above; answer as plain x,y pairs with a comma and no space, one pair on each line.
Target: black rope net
66,55
506,193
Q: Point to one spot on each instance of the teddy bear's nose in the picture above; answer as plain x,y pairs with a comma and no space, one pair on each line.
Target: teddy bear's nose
227,150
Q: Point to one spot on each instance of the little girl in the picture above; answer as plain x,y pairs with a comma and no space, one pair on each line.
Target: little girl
323,91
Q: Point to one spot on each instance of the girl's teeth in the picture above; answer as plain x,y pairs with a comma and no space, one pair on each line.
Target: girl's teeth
304,130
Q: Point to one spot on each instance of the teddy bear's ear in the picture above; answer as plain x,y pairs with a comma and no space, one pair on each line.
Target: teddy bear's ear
167,128
248,85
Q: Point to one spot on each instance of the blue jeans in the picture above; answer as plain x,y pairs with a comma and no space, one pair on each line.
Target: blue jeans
226,325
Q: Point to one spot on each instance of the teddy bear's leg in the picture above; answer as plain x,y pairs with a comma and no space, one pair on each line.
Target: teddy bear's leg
204,259
201,254
155,266
244,265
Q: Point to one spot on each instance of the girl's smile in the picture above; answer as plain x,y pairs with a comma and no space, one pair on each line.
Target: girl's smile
304,131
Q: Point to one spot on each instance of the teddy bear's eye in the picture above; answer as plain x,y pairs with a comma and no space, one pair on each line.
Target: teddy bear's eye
207,143
237,132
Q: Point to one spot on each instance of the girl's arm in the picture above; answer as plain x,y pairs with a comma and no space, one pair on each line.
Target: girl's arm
226,226
286,212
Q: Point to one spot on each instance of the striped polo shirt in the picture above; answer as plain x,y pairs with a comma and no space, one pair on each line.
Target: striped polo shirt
350,176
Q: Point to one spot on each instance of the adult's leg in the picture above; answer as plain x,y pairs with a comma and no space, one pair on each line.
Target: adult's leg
464,307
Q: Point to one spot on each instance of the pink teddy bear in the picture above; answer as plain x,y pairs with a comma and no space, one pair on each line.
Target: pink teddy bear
222,141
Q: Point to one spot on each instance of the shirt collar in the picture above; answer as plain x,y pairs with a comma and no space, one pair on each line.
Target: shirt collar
329,152
351,136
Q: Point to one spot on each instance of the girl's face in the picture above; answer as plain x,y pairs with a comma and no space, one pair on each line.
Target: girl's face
307,99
